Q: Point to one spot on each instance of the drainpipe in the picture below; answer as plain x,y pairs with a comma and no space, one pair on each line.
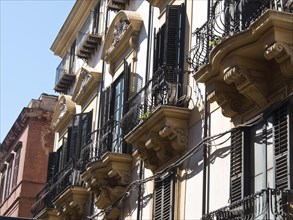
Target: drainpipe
141,172
205,193
150,26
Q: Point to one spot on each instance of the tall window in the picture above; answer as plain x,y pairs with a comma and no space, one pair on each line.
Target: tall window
96,19
8,179
114,99
2,184
16,167
261,155
169,40
79,133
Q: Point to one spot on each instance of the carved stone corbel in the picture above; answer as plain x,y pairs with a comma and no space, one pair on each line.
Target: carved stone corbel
227,103
148,156
252,87
283,54
176,136
159,146
107,178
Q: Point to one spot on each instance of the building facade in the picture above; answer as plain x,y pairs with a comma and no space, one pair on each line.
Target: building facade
173,109
24,157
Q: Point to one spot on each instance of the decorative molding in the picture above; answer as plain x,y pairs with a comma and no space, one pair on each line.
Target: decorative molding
253,87
122,35
252,75
162,137
108,178
226,102
283,54
64,110
72,203
88,79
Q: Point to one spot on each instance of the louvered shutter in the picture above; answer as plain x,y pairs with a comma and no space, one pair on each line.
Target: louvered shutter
159,43
281,144
69,152
163,198
236,165
86,127
174,40
51,168
127,88
75,137
60,154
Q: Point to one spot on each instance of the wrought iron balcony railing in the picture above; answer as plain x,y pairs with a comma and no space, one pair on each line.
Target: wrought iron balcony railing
228,17
64,74
61,181
102,141
266,204
88,38
163,89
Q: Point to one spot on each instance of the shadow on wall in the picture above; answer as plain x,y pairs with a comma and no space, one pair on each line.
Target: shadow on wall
195,163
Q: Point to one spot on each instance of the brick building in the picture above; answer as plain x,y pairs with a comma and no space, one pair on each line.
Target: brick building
24,156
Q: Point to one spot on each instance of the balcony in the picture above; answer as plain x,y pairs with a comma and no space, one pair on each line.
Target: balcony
266,204
116,5
63,196
108,169
88,39
157,119
64,75
227,19
244,56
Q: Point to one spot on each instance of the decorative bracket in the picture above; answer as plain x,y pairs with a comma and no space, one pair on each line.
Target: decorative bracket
283,54
253,87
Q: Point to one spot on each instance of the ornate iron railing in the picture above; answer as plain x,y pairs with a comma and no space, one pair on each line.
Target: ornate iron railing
89,28
228,17
63,68
102,141
61,181
266,204
163,89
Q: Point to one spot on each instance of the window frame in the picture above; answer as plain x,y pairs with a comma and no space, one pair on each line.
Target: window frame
240,161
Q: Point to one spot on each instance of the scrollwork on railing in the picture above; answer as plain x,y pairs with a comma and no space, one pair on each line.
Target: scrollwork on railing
163,89
228,17
267,203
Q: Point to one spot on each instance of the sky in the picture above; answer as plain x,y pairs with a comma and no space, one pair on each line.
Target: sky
28,66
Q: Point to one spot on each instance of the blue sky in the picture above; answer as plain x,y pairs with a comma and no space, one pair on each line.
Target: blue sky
28,66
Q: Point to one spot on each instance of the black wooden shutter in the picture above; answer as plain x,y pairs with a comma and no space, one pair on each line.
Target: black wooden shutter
127,88
51,168
174,37
236,165
86,128
75,137
281,144
159,44
96,18
69,152
163,198
106,100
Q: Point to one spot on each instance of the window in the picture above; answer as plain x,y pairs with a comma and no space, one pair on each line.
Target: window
114,99
2,184
169,40
8,179
164,198
80,133
261,155
16,166
168,61
96,19
72,57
